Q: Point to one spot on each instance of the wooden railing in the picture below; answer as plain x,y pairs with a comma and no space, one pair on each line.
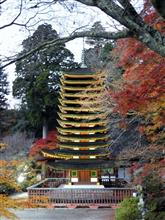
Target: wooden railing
80,196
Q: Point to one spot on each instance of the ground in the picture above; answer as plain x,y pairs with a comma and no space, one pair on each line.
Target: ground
65,214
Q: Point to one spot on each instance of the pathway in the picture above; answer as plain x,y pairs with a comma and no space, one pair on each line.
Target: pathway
65,214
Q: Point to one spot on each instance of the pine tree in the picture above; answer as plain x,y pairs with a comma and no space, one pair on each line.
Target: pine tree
37,79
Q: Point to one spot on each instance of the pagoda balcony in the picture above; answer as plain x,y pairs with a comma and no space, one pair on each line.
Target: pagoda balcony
57,192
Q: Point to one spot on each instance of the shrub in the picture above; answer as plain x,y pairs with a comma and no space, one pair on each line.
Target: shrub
128,210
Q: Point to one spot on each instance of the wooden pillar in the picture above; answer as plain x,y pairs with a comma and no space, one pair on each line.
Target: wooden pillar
43,170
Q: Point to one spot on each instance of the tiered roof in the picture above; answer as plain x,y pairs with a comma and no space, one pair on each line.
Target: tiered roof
82,131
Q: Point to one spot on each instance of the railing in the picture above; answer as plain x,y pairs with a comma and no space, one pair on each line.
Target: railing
80,196
49,183
113,182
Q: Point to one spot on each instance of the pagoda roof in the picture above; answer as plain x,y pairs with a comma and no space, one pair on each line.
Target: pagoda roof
65,152
78,164
78,81
97,144
66,123
80,71
73,88
79,102
82,137
89,116
79,109
79,94
84,130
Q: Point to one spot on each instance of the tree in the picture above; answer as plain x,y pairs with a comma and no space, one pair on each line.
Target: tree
7,173
96,42
3,90
17,145
128,210
143,87
150,177
122,11
50,143
37,81
3,99
98,53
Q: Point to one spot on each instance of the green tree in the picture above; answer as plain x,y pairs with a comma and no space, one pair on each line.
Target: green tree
99,52
154,195
128,210
3,99
37,81
94,41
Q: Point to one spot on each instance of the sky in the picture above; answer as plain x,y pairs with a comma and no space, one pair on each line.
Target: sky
63,18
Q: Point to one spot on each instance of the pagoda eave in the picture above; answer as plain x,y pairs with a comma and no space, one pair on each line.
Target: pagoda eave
82,131
82,116
68,155
72,88
82,145
78,94
83,164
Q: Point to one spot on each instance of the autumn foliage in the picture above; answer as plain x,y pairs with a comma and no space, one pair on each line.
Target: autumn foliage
7,179
142,91
49,143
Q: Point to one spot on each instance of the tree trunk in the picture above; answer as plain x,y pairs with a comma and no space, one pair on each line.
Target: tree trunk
44,129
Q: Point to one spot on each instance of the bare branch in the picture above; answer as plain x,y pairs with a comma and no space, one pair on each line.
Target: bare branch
106,35
3,2
17,16
142,31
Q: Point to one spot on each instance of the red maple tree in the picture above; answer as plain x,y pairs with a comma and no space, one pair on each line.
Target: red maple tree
49,143
142,91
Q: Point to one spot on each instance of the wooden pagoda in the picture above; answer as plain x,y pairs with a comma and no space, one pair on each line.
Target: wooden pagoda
82,150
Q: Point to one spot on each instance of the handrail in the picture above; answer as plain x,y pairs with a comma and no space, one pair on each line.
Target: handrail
45,180
80,196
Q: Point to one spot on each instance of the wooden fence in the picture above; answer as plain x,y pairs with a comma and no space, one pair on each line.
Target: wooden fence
78,196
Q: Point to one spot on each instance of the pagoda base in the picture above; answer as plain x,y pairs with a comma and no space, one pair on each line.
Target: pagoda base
82,172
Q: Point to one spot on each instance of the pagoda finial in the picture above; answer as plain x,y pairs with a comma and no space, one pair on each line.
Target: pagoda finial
83,65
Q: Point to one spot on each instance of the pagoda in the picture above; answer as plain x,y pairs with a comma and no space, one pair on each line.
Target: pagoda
82,149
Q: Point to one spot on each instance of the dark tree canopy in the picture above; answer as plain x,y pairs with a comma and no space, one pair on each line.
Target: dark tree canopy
37,79
3,90
3,100
99,52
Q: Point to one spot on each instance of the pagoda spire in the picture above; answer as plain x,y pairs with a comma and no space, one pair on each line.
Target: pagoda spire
83,65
